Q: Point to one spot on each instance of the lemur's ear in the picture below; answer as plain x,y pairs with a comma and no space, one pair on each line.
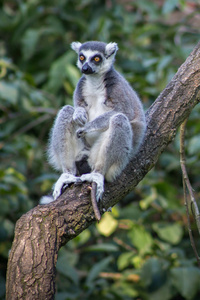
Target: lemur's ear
111,49
76,46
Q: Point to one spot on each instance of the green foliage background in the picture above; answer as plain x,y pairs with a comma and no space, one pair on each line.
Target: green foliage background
141,250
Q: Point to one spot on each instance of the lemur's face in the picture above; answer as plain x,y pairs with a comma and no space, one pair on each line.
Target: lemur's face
95,57
90,62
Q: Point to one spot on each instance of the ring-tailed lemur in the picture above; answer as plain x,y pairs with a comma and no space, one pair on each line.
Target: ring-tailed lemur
97,137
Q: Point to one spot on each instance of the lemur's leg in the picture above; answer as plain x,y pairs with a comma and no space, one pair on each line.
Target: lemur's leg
110,153
64,146
138,128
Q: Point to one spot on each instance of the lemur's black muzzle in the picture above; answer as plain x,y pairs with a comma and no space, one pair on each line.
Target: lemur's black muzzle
86,69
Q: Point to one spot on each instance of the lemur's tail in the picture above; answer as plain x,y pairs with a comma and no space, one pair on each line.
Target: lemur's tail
46,200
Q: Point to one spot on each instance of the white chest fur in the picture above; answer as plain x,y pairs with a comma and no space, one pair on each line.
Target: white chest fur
94,93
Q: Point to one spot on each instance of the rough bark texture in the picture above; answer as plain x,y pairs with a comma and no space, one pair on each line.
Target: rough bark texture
41,232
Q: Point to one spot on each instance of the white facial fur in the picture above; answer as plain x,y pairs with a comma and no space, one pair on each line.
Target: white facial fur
76,46
99,69
108,58
88,54
111,49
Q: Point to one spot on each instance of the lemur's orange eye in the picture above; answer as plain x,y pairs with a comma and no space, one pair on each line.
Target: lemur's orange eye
97,59
82,57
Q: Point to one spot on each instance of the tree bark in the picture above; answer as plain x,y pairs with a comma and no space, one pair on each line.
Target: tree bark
41,232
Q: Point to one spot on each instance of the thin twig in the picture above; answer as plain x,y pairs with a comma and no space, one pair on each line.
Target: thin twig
189,223
123,244
33,124
94,201
113,276
187,186
193,203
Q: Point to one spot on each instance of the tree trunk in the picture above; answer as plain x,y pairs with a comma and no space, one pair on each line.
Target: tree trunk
41,232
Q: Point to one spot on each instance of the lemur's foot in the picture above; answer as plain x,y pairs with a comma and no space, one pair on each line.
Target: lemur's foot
63,181
99,179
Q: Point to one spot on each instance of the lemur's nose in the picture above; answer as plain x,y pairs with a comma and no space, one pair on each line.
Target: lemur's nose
86,69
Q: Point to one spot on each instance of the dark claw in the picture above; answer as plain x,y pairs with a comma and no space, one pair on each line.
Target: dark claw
64,188
80,133
78,182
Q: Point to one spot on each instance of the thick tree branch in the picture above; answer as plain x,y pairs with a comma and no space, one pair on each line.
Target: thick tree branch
41,232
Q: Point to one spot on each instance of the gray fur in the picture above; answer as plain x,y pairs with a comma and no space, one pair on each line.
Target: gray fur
106,126
94,46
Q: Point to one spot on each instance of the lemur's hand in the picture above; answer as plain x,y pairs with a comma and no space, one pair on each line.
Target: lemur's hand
81,132
80,116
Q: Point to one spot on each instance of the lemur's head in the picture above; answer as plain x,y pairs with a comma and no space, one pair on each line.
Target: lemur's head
95,57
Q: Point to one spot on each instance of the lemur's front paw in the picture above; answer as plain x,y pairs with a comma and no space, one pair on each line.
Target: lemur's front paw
80,117
99,179
80,133
64,180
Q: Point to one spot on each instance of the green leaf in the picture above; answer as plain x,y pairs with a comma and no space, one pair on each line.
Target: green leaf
169,6
171,233
82,238
107,225
67,295
103,247
186,280
64,267
72,73
165,292
70,256
148,6
127,289
141,239
153,272
146,201
9,92
6,229
164,62
59,71
96,269
29,43
194,145
124,260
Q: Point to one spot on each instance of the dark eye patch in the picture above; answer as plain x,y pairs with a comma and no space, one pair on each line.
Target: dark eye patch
97,59
81,57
